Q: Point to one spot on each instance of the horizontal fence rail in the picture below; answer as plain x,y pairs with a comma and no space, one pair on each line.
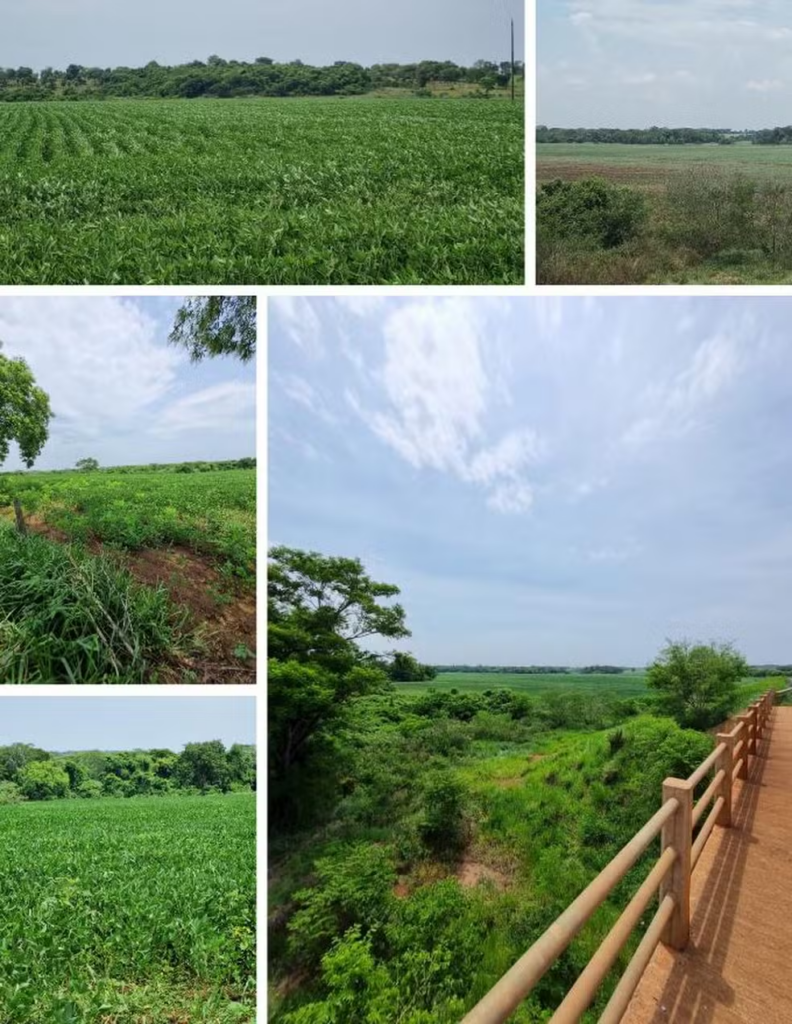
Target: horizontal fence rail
675,822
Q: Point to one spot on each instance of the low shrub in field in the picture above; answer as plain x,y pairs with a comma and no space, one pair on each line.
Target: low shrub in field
592,211
68,617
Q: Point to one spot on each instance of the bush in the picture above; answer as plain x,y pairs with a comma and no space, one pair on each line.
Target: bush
697,682
353,886
10,793
443,824
591,211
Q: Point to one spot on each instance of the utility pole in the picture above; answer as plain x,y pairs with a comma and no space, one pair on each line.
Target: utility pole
512,59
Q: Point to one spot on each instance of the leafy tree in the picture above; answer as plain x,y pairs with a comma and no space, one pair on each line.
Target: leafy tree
16,756
319,608
43,780
404,668
24,411
204,766
220,325
87,465
697,682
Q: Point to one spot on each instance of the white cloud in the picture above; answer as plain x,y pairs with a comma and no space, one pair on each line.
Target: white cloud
221,407
511,498
764,85
97,358
300,322
437,394
643,78
679,407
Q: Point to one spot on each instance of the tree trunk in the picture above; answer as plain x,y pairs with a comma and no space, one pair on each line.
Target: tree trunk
20,519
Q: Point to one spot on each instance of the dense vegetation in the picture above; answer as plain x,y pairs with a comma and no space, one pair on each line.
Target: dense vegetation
639,136
80,600
654,213
419,844
30,773
665,136
298,191
223,78
128,911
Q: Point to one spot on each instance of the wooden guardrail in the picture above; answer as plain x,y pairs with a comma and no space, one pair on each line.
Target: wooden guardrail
675,822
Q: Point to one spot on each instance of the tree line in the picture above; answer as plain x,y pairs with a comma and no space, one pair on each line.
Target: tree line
227,78
655,136
28,772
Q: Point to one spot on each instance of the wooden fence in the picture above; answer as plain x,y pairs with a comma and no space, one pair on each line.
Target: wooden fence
675,822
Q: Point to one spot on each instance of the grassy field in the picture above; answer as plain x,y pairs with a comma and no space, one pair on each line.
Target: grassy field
129,577
353,191
652,166
128,911
712,215
628,684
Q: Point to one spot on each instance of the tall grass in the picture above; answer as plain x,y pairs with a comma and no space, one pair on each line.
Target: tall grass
69,617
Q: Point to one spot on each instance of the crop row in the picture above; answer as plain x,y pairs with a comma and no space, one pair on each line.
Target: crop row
112,907
213,512
262,192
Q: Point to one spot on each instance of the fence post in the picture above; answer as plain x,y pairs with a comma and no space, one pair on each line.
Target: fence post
746,721
752,731
726,764
20,519
678,833
759,720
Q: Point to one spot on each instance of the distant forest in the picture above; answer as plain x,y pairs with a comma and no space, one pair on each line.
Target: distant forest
666,136
30,773
221,78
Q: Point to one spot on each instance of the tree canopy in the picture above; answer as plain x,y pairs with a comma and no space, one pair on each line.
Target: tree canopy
319,608
87,465
221,78
220,325
697,683
25,411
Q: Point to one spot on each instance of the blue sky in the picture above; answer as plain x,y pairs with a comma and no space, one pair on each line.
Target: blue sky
99,33
126,723
120,393
638,63
548,480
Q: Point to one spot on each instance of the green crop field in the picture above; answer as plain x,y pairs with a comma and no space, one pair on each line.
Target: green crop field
129,576
271,191
627,684
128,911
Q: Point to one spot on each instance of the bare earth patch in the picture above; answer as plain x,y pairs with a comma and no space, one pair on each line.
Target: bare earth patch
227,620
472,872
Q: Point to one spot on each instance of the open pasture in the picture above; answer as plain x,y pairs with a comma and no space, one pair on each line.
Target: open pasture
628,684
128,911
651,167
271,191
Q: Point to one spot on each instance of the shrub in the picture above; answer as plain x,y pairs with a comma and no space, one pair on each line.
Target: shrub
353,886
10,793
443,824
592,211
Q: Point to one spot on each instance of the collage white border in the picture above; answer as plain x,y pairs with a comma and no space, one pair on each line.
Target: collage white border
264,294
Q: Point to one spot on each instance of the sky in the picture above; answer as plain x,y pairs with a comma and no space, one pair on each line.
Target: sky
103,34
673,63
120,392
126,723
563,481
